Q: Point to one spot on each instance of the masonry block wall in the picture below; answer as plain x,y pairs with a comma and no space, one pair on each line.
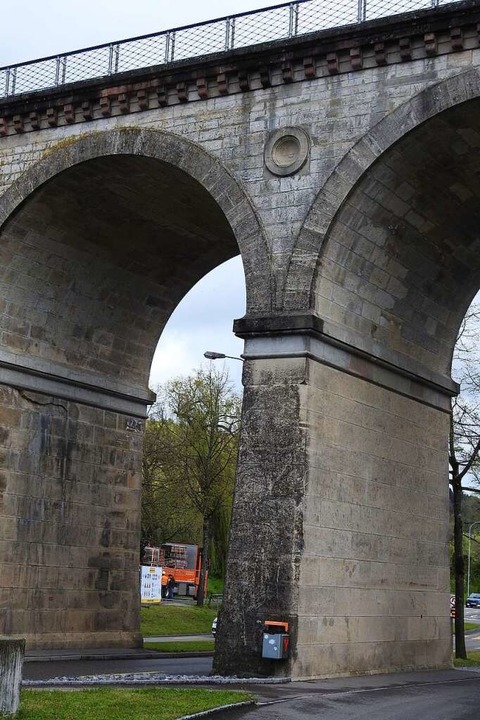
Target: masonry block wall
267,524
69,528
374,589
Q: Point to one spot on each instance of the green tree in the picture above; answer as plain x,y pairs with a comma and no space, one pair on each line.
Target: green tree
167,516
199,417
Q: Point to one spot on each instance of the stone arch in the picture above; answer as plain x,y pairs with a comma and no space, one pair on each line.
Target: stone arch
142,211
331,206
182,154
387,262
93,274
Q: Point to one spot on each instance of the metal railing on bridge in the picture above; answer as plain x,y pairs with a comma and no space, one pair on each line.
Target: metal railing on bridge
192,41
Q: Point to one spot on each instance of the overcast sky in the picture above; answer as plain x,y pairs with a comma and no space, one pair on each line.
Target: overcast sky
34,29
38,28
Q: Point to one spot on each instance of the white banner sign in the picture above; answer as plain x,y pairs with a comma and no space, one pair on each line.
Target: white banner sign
151,584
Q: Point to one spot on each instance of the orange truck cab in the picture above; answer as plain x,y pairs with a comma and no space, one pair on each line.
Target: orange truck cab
181,560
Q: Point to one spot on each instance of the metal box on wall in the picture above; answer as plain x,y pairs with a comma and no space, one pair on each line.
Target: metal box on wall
275,642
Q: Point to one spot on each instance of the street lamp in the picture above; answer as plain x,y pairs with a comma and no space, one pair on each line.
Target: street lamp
211,355
469,548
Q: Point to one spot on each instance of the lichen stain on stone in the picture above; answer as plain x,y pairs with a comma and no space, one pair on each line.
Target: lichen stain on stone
103,578
66,447
65,143
107,600
106,533
45,434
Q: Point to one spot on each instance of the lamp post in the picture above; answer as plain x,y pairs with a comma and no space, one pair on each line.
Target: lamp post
469,549
211,355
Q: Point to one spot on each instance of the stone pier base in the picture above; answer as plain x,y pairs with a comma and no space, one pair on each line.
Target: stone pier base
12,653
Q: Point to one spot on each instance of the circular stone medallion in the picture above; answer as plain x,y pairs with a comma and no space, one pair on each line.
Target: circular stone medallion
286,151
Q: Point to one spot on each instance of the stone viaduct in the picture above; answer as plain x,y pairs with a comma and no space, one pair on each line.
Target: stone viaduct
345,168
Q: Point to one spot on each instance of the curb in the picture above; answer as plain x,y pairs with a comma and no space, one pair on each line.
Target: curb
214,711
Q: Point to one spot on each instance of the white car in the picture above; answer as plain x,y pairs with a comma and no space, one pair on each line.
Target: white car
214,627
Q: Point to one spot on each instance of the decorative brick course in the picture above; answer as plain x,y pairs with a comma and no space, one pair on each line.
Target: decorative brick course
327,55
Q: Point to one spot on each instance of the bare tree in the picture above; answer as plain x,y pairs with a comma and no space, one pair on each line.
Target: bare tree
464,448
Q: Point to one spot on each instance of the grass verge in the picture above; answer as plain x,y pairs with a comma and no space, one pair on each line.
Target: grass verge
471,626
182,646
168,619
473,660
122,703
215,585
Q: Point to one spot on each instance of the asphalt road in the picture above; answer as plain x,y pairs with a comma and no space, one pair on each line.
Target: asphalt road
46,670
472,639
472,615
446,700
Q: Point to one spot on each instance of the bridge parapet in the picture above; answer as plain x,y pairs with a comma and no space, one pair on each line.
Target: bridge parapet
225,34
376,43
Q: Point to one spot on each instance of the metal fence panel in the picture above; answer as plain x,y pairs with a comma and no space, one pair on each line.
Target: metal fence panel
191,41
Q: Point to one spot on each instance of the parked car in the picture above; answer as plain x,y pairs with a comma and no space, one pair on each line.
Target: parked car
214,627
473,600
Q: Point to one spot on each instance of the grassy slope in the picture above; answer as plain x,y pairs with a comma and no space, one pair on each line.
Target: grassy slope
122,703
168,619
473,660
182,646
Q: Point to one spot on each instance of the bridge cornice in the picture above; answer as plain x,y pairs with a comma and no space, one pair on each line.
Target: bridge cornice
399,39
302,335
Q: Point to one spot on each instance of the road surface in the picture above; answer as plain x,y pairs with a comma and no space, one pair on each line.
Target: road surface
47,670
448,699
